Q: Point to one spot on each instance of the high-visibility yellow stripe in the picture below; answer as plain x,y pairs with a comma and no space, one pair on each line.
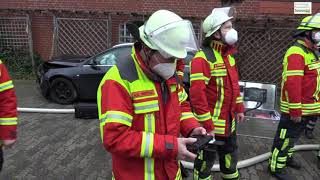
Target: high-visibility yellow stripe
282,159
186,115
291,105
180,73
173,88
285,144
182,95
304,111
9,121
274,160
239,99
219,72
147,144
149,169
310,106
314,66
294,73
227,159
149,123
219,122
203,117
316,93
290,152
219,130
281,165
218,105
6,85
199,76
303,106
196,75
117,117
233,127
283,133
145,107
231,176
178,175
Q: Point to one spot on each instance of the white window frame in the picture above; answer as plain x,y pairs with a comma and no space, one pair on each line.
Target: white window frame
124,34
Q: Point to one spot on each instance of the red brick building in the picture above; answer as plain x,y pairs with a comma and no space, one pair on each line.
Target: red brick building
53,27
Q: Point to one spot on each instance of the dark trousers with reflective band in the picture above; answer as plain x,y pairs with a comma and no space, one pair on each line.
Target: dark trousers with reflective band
310,122
1,158
227,159
287,134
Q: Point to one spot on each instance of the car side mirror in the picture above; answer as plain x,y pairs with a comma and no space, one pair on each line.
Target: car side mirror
93,64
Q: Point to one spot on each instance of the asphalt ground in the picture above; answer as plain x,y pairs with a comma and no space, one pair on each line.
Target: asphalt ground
61,147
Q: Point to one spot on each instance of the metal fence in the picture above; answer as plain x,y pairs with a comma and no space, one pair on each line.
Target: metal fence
76,36
261,52
15,32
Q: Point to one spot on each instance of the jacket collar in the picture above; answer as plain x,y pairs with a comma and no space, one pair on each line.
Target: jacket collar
306,43
222,48
146,70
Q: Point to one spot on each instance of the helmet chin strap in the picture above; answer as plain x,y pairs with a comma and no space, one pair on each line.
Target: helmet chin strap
147,56
220,37
309,36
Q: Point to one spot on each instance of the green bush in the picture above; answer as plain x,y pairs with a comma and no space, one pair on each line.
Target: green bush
19,63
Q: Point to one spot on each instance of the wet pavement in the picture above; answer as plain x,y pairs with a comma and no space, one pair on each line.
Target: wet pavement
61,147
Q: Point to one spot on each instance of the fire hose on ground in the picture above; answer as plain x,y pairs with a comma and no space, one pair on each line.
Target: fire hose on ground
189,165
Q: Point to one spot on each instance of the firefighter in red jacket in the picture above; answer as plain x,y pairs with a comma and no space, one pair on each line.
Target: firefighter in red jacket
300,96
215,93
8,110
143,109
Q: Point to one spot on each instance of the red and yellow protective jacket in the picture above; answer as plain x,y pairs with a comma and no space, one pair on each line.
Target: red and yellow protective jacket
300,87
140,123
8,106
214,91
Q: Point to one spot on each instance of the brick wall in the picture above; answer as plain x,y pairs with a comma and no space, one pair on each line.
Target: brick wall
42,32
42,23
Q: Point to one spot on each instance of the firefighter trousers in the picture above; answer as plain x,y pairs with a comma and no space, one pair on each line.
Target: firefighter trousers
310,122
227,159
287,134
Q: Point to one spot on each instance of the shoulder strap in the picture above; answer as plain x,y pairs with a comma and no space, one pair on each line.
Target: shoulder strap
127,69
301,46
305,49
208,52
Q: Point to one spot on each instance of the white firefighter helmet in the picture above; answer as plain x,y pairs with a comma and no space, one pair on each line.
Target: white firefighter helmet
214,21
169,34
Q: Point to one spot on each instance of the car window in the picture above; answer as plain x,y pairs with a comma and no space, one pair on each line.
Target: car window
111,57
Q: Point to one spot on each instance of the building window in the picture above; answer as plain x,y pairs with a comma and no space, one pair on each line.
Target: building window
124,35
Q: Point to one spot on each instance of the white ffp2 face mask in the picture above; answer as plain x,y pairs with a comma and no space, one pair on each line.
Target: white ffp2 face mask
316,37
231,37
165,70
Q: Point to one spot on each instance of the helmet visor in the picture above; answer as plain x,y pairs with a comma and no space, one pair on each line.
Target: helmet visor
174,39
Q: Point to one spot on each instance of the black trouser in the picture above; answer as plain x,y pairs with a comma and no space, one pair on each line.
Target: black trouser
1,158
287,134
310,122
227,159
